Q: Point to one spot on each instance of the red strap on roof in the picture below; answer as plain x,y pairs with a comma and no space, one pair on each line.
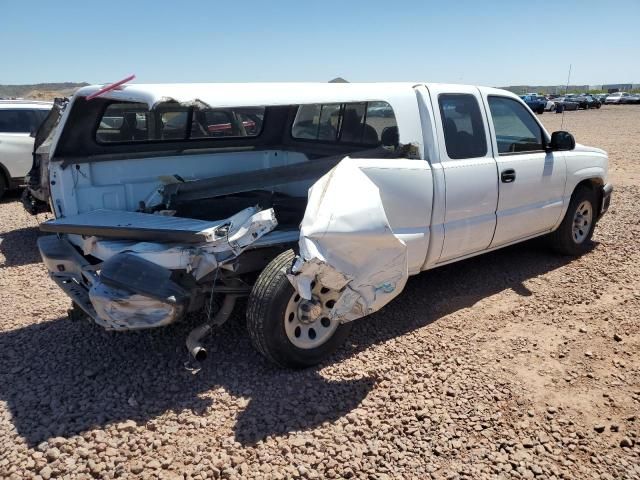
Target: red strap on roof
108,88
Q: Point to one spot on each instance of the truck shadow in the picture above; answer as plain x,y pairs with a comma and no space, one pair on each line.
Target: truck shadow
19,247
63,377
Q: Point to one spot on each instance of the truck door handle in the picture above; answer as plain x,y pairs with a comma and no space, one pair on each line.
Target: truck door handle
508,176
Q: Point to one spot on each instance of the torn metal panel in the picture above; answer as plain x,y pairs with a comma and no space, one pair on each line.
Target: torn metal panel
133,293
239,232
346,243
164,228
119,309
193,259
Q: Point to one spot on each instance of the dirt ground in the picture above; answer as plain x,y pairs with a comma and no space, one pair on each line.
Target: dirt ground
515,364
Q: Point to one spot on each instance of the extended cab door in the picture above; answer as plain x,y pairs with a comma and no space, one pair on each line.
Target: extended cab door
532,181
471,179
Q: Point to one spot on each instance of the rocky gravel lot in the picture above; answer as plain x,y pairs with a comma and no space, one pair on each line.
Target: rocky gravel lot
516,364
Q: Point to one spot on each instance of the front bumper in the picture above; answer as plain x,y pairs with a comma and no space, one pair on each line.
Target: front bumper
607,190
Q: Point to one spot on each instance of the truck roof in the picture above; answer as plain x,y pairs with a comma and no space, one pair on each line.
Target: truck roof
25,104
257,94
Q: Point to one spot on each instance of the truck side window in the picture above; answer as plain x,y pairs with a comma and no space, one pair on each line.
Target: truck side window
133,122
516,129
464,133
359,123
123,122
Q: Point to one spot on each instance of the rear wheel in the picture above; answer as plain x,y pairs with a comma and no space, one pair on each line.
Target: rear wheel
573,236
287,329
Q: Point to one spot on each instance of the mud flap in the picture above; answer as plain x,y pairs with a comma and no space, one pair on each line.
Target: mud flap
347,244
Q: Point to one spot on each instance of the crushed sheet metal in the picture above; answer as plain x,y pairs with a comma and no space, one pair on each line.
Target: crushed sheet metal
247,226
244,228
346,243
120,309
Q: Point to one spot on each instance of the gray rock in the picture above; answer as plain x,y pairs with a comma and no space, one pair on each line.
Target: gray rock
52,454
128,426
626,442
46,472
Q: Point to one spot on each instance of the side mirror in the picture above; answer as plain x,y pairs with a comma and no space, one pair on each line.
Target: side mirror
561,141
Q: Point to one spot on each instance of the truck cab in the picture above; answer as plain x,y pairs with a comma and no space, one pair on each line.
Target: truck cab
316,201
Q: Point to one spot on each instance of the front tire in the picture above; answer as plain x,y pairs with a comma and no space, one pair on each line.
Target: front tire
573,236
286,329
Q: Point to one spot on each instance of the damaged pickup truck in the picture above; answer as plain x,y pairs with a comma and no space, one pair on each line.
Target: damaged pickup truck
315,201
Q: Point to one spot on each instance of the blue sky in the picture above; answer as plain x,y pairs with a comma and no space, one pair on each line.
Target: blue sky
478,42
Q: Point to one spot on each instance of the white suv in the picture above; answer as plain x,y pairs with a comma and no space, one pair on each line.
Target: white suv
18,120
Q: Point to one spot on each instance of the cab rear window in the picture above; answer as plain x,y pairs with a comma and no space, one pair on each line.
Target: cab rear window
134,122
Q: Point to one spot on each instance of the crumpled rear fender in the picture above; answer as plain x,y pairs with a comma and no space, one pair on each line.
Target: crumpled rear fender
347,244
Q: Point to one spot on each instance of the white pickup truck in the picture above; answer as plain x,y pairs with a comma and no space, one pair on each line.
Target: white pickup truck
316,201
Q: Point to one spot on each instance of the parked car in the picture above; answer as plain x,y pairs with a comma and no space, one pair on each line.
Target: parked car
535,103
580,100
566,103
592,102
19,119
616,98
601,97
318,218
631,99
550,105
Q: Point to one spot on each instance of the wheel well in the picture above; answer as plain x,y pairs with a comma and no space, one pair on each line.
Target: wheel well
4,176
594,184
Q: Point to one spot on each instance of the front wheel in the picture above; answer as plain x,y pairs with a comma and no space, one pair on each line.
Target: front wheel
573,236
287,329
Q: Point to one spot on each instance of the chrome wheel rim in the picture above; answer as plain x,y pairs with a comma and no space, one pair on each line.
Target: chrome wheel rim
582,220
307,323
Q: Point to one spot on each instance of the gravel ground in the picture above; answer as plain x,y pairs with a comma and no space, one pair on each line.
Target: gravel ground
516,364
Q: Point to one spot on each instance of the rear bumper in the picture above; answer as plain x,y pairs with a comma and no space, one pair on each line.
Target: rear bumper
69,270
119,297
607,190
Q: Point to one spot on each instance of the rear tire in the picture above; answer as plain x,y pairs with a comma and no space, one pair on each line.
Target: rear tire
573,236
270,300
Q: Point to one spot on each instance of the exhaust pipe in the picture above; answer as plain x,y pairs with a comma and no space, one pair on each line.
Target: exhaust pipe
194,345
